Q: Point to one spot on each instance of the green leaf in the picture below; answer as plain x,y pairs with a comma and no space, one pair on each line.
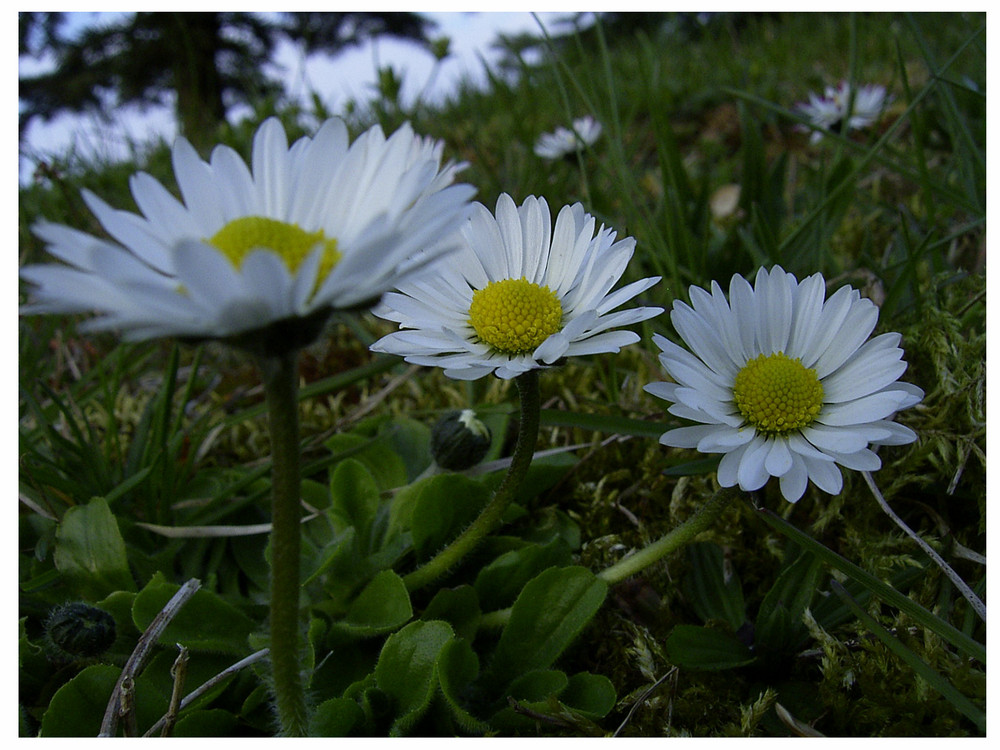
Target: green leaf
34,669
443,506
411,440
593,695
407,669
205,623
213,722
535,691
335,718
713,592
551,523
694,647
459,607
90,552
382,606
201,668
551,699
549,613
545,472
458,666
779,623
375,453
537,685
354,498
77,708
498,583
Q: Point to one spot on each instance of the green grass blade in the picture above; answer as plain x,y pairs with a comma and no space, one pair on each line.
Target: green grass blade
918,665
602,423
882,590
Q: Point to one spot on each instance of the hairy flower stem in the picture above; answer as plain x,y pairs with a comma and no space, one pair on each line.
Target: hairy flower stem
672,540
489,518
280,374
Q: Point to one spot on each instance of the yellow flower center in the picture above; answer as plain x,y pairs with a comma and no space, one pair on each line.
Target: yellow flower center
515,316
290,241
777,394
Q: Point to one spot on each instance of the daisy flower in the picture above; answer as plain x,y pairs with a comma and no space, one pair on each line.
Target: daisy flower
564,141
783,383
830,112
518,295
322,224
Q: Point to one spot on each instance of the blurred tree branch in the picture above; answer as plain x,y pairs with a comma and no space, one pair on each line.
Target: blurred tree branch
202,63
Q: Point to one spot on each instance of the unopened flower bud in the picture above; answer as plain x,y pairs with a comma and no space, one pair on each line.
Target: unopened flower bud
459,440
80,630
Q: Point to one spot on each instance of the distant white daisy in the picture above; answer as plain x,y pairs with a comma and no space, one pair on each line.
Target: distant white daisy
517,296
782,383
830,112
565,141
323,224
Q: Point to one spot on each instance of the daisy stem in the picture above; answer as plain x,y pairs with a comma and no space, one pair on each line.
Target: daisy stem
489,518
968,593
673,540
280,375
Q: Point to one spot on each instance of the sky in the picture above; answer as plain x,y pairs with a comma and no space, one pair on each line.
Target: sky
351,74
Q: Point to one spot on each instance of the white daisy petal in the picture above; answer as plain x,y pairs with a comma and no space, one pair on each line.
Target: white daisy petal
834,438
729,466
843,108
703,339
825,475
696,415
779,459
895,434
858,325
723,439
561,277
752,472
604,343
782,383
793,482
265,275
686,437
875,365
322,224
565,141
662,390
867,409
862,460
910,395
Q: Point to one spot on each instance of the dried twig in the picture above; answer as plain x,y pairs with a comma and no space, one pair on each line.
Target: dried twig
977,604
141,653
178,671
642,699
209,684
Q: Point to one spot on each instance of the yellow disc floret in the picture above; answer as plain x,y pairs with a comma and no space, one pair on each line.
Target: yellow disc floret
515,316
777,394
290,241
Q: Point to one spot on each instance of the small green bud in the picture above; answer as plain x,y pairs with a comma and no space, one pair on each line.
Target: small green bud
441,48
459,440
80,630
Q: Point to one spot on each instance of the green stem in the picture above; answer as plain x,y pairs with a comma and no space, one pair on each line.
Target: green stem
489,518
280,374
672,540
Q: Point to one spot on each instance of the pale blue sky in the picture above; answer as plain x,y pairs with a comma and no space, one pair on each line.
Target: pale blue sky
349,75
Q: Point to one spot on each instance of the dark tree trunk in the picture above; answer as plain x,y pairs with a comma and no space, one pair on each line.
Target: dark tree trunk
200,109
